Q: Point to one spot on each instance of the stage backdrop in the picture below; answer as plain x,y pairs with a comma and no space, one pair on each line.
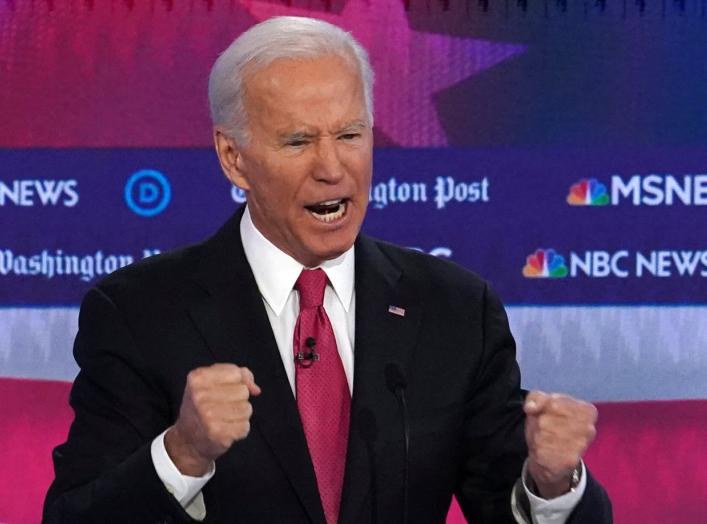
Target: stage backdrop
557,148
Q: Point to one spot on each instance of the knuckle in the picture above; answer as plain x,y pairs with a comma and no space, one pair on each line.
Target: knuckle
226,442
194,377
567,403
242,430
236,373
535,395
213,433
593,413
560,404
242,392
198,397
228,371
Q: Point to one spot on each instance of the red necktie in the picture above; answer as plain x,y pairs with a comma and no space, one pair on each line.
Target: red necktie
323,396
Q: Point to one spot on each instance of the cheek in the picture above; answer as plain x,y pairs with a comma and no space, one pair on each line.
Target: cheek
276,186
360,166
365,164
364,181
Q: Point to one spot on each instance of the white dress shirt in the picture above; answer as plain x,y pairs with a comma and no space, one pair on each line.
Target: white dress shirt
275,274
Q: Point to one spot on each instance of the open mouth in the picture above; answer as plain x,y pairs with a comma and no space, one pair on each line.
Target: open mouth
328,211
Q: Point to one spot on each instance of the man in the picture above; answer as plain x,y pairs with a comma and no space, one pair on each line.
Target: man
290,369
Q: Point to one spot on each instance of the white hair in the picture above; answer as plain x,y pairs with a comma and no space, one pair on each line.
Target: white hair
277,38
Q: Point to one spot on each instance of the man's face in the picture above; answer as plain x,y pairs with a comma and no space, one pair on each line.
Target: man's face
307,167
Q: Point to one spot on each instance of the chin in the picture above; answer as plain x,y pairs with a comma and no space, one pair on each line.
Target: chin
333,250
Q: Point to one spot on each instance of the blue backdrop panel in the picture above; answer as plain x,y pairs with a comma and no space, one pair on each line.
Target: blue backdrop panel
516,216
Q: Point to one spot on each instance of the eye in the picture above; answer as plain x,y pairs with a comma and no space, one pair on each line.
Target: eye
349,136
298,142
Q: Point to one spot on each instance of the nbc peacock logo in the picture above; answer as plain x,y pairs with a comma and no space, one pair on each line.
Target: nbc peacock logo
545,263
588,192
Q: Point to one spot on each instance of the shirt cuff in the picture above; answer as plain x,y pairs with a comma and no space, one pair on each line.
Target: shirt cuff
186,489
557,510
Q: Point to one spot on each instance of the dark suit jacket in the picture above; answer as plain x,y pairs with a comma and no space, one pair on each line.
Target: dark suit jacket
142,329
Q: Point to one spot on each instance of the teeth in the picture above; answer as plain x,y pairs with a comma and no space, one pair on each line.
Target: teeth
330,217
330,202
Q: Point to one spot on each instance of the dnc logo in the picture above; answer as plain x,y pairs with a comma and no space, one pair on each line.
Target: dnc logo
588,192
545,263
147,192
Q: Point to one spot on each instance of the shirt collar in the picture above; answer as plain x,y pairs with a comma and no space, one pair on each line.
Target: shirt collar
276,272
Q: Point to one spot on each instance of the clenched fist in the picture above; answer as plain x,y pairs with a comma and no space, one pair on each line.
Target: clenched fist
558,430
215,413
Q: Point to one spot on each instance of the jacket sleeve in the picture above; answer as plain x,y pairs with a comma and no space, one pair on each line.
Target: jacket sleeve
494,433
104,471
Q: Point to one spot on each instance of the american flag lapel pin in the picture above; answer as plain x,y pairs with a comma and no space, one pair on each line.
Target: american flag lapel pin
395,310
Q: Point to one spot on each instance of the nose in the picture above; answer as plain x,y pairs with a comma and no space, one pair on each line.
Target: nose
328,165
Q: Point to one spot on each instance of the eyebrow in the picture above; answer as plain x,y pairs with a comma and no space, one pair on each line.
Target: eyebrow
294,136
355,125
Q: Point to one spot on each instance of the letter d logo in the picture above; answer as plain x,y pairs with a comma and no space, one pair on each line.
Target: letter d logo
147,192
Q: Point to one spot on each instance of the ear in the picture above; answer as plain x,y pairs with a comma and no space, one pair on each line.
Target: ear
230,158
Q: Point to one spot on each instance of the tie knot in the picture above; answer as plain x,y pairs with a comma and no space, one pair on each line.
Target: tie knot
310,285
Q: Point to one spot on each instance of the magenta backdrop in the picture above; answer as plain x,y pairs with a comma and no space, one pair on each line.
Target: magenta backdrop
132,74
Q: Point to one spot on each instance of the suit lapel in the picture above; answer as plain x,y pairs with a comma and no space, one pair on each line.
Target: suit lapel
382,338
232,319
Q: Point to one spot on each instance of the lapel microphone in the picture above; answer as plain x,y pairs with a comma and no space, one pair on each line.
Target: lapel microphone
310,357
396,382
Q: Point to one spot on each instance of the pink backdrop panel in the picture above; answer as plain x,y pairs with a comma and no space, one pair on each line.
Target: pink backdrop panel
645,454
